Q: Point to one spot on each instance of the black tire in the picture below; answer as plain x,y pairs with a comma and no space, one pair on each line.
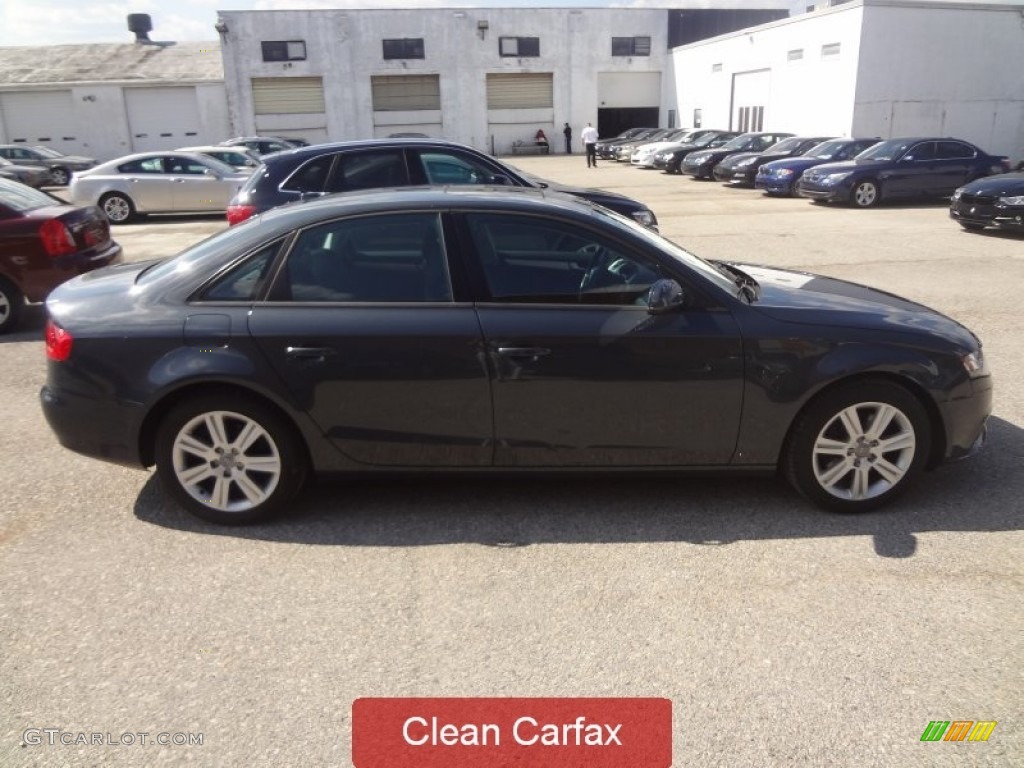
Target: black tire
11,303
972,227
60,176
118,208
865,193
222,489
846,472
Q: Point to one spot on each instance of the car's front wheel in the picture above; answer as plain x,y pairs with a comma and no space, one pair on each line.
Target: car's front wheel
11,302
858,446
60,176
865,194
229,460
118,208
971,227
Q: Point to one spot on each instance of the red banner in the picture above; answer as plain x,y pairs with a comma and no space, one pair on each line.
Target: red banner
524,733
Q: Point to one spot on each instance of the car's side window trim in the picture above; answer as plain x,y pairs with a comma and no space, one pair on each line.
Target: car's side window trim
284,244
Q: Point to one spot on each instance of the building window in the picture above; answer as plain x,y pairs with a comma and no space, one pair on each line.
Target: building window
406,48
716,67
631,46
830,51
519,46
697,118
284,50
404,93
795,55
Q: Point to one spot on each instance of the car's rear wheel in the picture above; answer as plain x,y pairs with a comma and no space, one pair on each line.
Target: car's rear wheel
865,193
229,460
11,302
60,176
118,208
856,447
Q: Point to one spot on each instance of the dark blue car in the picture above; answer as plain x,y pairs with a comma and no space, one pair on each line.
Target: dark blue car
900,168
779,177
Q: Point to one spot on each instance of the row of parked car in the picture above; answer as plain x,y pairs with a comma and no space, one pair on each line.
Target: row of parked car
858,171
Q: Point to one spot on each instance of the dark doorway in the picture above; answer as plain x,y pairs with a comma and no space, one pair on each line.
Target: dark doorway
611,122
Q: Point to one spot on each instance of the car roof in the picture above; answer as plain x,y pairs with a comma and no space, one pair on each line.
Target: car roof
315,150
500,198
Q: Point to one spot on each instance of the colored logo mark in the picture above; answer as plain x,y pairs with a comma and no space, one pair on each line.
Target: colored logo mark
958,730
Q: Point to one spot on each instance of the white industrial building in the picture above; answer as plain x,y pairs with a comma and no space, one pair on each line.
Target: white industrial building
105,100
884,68
489,77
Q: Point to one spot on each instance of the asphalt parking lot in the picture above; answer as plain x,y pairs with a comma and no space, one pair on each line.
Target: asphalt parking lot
783,636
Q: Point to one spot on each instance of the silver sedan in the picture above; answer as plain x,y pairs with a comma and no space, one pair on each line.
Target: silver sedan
157,182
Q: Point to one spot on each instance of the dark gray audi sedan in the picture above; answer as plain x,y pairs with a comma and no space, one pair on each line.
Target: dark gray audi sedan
515,330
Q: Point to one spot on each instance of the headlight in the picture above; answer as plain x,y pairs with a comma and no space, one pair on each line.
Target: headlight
644,216
835,178
974,364
745,163
785,173
1014,200
957,192
697,159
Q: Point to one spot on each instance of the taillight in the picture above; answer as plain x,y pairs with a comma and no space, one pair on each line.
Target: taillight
56,237
58,342
239,213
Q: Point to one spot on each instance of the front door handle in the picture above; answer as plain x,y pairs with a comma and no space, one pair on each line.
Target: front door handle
531,352
317,354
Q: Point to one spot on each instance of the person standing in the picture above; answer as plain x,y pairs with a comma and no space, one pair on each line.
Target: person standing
567,132
589,137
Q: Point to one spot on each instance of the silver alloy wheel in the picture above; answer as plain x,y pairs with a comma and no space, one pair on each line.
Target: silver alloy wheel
117,208
864,451
5,307
865,194
60,177
226,461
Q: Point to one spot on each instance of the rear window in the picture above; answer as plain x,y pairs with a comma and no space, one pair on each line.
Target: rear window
21,198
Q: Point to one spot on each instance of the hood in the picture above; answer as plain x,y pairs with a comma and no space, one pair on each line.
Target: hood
736,158
801,297
1009,184
602,196
793,163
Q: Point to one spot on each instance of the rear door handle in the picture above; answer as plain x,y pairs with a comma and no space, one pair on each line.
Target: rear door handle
309,353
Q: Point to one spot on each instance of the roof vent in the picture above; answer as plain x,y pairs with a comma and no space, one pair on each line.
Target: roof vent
141,24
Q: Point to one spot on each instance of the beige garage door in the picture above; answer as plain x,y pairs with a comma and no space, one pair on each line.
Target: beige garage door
40,117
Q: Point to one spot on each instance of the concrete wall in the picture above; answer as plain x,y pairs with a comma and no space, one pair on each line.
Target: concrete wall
954,71
811,95
344,47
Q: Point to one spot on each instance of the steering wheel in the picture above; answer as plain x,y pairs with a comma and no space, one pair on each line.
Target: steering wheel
598,255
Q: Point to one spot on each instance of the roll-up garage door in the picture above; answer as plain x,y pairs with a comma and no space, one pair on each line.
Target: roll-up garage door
399,93
165,117
530,90
287,95
40,117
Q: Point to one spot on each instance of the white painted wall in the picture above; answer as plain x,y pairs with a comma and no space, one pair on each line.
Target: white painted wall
813,95
344,47
99,118
947,71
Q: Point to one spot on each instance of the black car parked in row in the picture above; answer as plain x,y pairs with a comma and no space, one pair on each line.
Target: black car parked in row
308,172
605,148
467,330
900,169
996,201
741,169
670,160
701,165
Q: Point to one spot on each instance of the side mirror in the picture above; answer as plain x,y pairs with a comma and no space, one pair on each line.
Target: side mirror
211,172
664,296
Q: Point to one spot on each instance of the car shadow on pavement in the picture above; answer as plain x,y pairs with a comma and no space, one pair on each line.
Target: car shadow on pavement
980,495
30,326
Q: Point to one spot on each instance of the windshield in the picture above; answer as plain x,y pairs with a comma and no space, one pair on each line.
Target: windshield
740,142
787,145
706,139
887,150
47,152
826,150
21,198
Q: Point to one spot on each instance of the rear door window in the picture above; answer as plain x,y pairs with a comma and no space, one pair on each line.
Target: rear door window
368,170
311,177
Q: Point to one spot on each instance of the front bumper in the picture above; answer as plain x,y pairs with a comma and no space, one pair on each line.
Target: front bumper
965,420
696,170
837,193
987,214
773,186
